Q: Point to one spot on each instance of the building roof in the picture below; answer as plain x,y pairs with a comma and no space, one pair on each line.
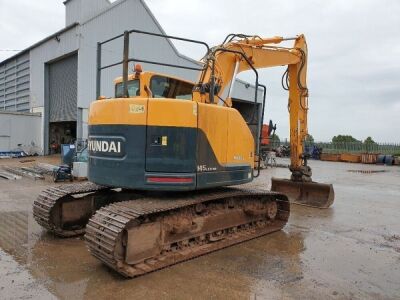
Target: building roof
66,1
112,5
40,42
3,112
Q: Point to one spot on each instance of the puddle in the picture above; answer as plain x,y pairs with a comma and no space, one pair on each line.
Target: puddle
367,171
65,268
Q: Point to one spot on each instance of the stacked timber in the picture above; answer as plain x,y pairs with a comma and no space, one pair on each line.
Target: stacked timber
350,157
9,176
330,157
26,172
369,158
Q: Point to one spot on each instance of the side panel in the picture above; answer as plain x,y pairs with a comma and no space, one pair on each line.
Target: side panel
124,111
123,167
213,122
240,140
223,152
122,121
171,136
155,144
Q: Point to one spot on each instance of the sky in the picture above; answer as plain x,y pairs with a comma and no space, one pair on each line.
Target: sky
354,52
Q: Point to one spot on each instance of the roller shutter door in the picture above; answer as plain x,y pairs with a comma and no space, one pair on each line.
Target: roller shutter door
63,79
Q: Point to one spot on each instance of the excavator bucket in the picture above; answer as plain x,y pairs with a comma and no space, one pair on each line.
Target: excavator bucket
313,194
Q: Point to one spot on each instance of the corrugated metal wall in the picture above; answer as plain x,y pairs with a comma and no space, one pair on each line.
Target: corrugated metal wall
46,53
63,80
82,10
14,84
246,92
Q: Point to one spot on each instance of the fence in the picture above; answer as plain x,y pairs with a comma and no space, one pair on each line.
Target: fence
350,147
381,148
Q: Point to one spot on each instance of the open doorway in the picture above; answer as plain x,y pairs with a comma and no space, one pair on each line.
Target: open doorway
61,133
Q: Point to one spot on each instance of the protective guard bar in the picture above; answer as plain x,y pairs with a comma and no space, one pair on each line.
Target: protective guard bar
257,85
259,125
126,59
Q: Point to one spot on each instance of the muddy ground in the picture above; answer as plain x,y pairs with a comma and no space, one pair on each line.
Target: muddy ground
350,251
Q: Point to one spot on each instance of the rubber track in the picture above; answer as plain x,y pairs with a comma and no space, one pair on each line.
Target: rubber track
104,230
47,199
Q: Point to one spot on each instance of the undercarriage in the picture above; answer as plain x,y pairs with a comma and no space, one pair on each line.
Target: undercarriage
136,233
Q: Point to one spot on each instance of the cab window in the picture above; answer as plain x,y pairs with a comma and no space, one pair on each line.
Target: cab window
165,87
133,89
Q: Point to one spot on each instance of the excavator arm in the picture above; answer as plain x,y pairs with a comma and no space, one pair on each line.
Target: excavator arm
226,61
242,53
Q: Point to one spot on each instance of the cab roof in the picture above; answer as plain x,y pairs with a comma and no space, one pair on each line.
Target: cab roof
148,73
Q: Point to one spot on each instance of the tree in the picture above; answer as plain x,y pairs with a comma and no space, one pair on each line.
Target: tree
369,141
275,140
344,139
369,144
309,139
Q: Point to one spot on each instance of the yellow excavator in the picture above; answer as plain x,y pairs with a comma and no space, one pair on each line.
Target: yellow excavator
167,158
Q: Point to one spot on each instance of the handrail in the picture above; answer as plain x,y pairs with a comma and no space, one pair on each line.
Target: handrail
126,59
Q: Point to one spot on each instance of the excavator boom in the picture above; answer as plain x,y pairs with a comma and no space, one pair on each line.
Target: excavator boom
224,62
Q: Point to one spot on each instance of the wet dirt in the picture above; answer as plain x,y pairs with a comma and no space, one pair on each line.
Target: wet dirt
350,251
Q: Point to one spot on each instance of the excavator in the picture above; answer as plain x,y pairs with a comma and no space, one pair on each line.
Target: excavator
168,159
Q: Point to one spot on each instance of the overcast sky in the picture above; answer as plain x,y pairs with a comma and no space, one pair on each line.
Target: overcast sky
354,52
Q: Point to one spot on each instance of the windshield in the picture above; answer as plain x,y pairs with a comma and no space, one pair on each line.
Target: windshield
164,87
133,89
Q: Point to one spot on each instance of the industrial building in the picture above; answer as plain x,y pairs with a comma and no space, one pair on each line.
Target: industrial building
57,76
